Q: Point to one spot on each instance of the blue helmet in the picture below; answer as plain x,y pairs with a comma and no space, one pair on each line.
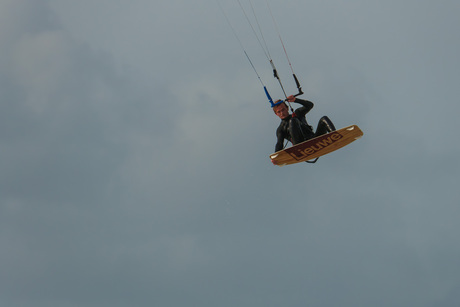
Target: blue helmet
277,103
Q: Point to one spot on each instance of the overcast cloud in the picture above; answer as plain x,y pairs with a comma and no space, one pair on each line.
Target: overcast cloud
134,148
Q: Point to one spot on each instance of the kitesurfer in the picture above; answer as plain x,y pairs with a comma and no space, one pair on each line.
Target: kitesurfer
294,127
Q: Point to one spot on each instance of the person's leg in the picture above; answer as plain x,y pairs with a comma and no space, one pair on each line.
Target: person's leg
325,125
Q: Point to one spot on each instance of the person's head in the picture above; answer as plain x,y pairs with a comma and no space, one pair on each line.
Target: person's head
280,108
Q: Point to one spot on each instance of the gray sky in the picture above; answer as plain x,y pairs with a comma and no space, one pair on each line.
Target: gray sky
134,149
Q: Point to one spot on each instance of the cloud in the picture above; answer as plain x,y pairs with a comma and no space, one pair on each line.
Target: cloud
135,171
68,120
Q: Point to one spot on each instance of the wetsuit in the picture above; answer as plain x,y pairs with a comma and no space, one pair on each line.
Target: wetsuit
296,129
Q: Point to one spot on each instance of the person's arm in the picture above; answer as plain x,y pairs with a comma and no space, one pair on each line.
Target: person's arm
304,109
279,140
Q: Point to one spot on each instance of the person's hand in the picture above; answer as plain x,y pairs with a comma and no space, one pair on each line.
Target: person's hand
291,98
274,162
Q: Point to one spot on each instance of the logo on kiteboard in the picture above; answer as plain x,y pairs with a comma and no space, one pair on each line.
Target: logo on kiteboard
308,148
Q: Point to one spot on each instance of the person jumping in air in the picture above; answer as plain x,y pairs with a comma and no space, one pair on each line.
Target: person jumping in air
294,127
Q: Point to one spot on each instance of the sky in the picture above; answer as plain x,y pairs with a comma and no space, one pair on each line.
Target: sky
134,155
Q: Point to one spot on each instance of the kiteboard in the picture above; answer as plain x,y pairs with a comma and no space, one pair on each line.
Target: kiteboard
317,147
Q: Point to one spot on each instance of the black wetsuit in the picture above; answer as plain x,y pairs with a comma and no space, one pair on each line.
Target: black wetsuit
296,129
